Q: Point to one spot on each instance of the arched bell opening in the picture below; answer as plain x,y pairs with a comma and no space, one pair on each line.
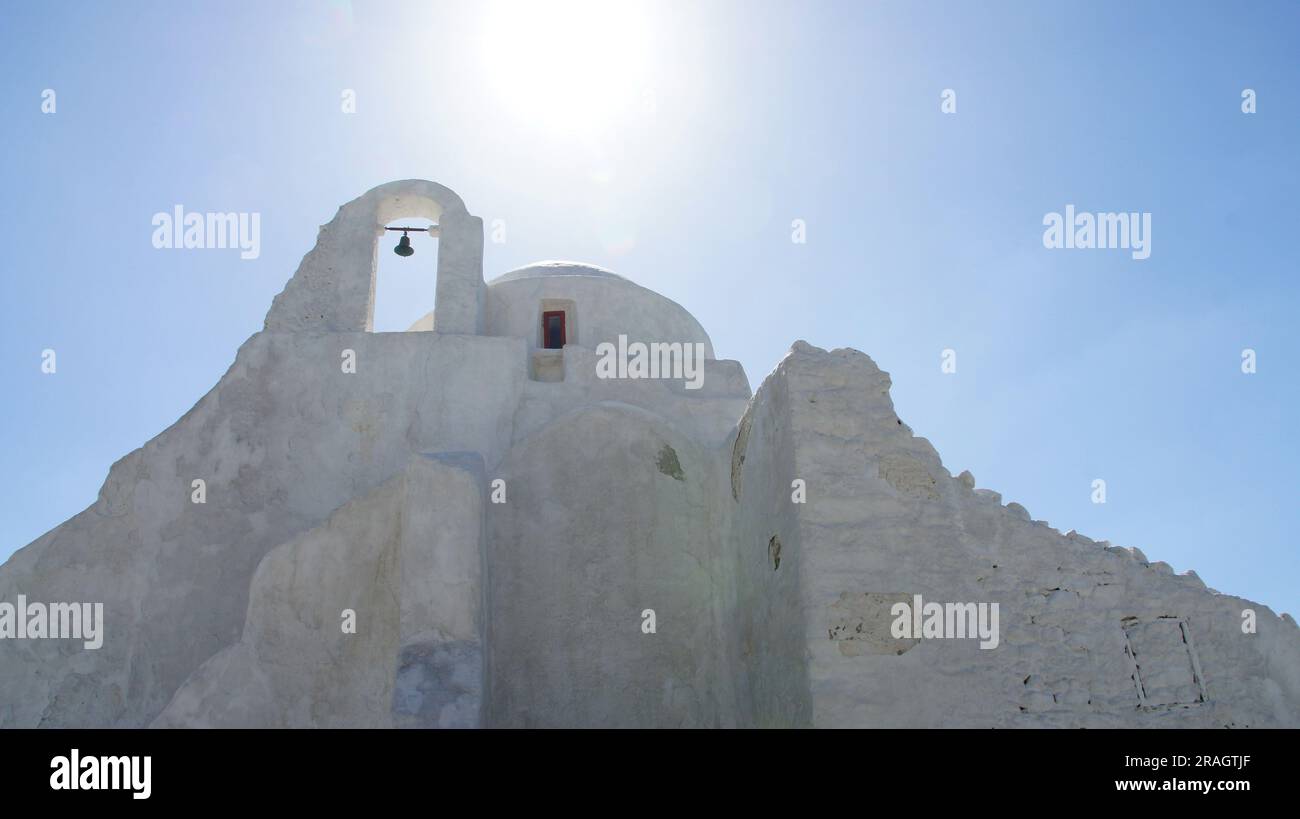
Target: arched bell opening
334,288
406,275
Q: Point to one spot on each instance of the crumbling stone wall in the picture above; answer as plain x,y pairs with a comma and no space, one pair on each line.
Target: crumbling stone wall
1091,635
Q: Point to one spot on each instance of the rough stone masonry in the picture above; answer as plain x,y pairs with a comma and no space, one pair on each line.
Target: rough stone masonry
464,528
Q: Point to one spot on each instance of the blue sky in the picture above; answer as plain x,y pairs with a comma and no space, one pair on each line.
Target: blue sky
675,143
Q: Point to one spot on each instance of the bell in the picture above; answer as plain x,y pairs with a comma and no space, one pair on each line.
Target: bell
404,246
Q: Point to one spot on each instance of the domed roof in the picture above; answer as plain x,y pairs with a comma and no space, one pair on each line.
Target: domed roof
603,306
539,270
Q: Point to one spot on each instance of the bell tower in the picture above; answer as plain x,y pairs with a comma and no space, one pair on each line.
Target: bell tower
333,290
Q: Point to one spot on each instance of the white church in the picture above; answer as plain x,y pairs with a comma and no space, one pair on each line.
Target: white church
548,504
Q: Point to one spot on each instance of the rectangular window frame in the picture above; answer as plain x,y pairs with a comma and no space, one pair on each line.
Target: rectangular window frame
564,330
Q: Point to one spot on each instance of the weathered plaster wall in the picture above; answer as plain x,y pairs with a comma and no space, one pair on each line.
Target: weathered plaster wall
284,438
1078,619
1090,635
406,561
578,553
708,414
294,621
765,621
441,663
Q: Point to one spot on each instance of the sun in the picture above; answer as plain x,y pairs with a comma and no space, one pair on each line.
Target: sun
572,66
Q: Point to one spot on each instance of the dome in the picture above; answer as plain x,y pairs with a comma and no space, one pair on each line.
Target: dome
539,270
598,306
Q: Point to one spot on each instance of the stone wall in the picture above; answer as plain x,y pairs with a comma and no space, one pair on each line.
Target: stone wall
1091,635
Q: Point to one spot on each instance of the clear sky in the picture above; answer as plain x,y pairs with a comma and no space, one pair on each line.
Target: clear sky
675,143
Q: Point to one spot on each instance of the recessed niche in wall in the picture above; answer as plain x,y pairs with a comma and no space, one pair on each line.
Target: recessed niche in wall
1166,668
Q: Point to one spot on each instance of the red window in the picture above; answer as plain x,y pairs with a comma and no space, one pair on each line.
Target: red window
553,335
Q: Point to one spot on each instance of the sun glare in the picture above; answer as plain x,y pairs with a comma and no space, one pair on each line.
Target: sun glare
573,66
